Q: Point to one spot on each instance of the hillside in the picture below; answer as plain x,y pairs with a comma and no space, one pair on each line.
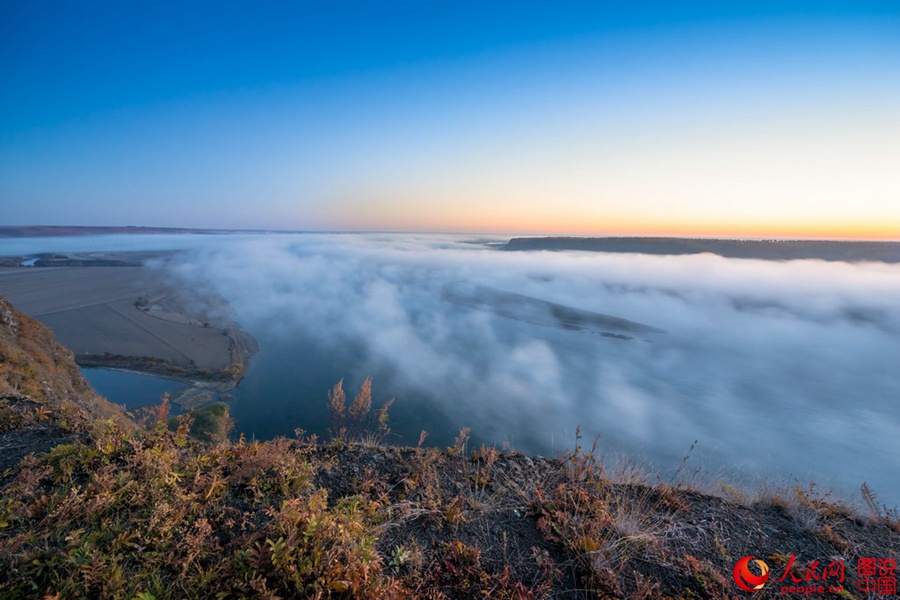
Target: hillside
124,511
43,397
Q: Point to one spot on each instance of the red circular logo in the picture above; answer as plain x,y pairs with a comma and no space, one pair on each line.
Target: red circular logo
745,579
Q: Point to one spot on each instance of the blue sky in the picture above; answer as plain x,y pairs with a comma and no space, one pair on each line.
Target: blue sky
763,118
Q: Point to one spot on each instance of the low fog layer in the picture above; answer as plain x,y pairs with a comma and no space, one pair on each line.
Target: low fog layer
782,368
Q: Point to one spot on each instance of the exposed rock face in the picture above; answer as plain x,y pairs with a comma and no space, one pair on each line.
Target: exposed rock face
44,399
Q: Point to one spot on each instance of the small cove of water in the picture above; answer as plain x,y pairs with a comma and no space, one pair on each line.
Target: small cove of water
132,390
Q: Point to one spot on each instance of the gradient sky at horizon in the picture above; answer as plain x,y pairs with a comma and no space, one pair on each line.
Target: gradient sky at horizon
651,118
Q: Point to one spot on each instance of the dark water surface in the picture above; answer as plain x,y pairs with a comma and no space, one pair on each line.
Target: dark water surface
287,388
131,389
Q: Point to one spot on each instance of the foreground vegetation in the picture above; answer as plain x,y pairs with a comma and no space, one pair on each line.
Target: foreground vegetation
171,508
155,513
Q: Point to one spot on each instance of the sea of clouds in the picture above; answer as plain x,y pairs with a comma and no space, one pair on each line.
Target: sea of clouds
786,369
778,369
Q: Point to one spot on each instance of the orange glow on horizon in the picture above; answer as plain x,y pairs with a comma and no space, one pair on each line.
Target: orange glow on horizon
450,212
855,231
563,226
